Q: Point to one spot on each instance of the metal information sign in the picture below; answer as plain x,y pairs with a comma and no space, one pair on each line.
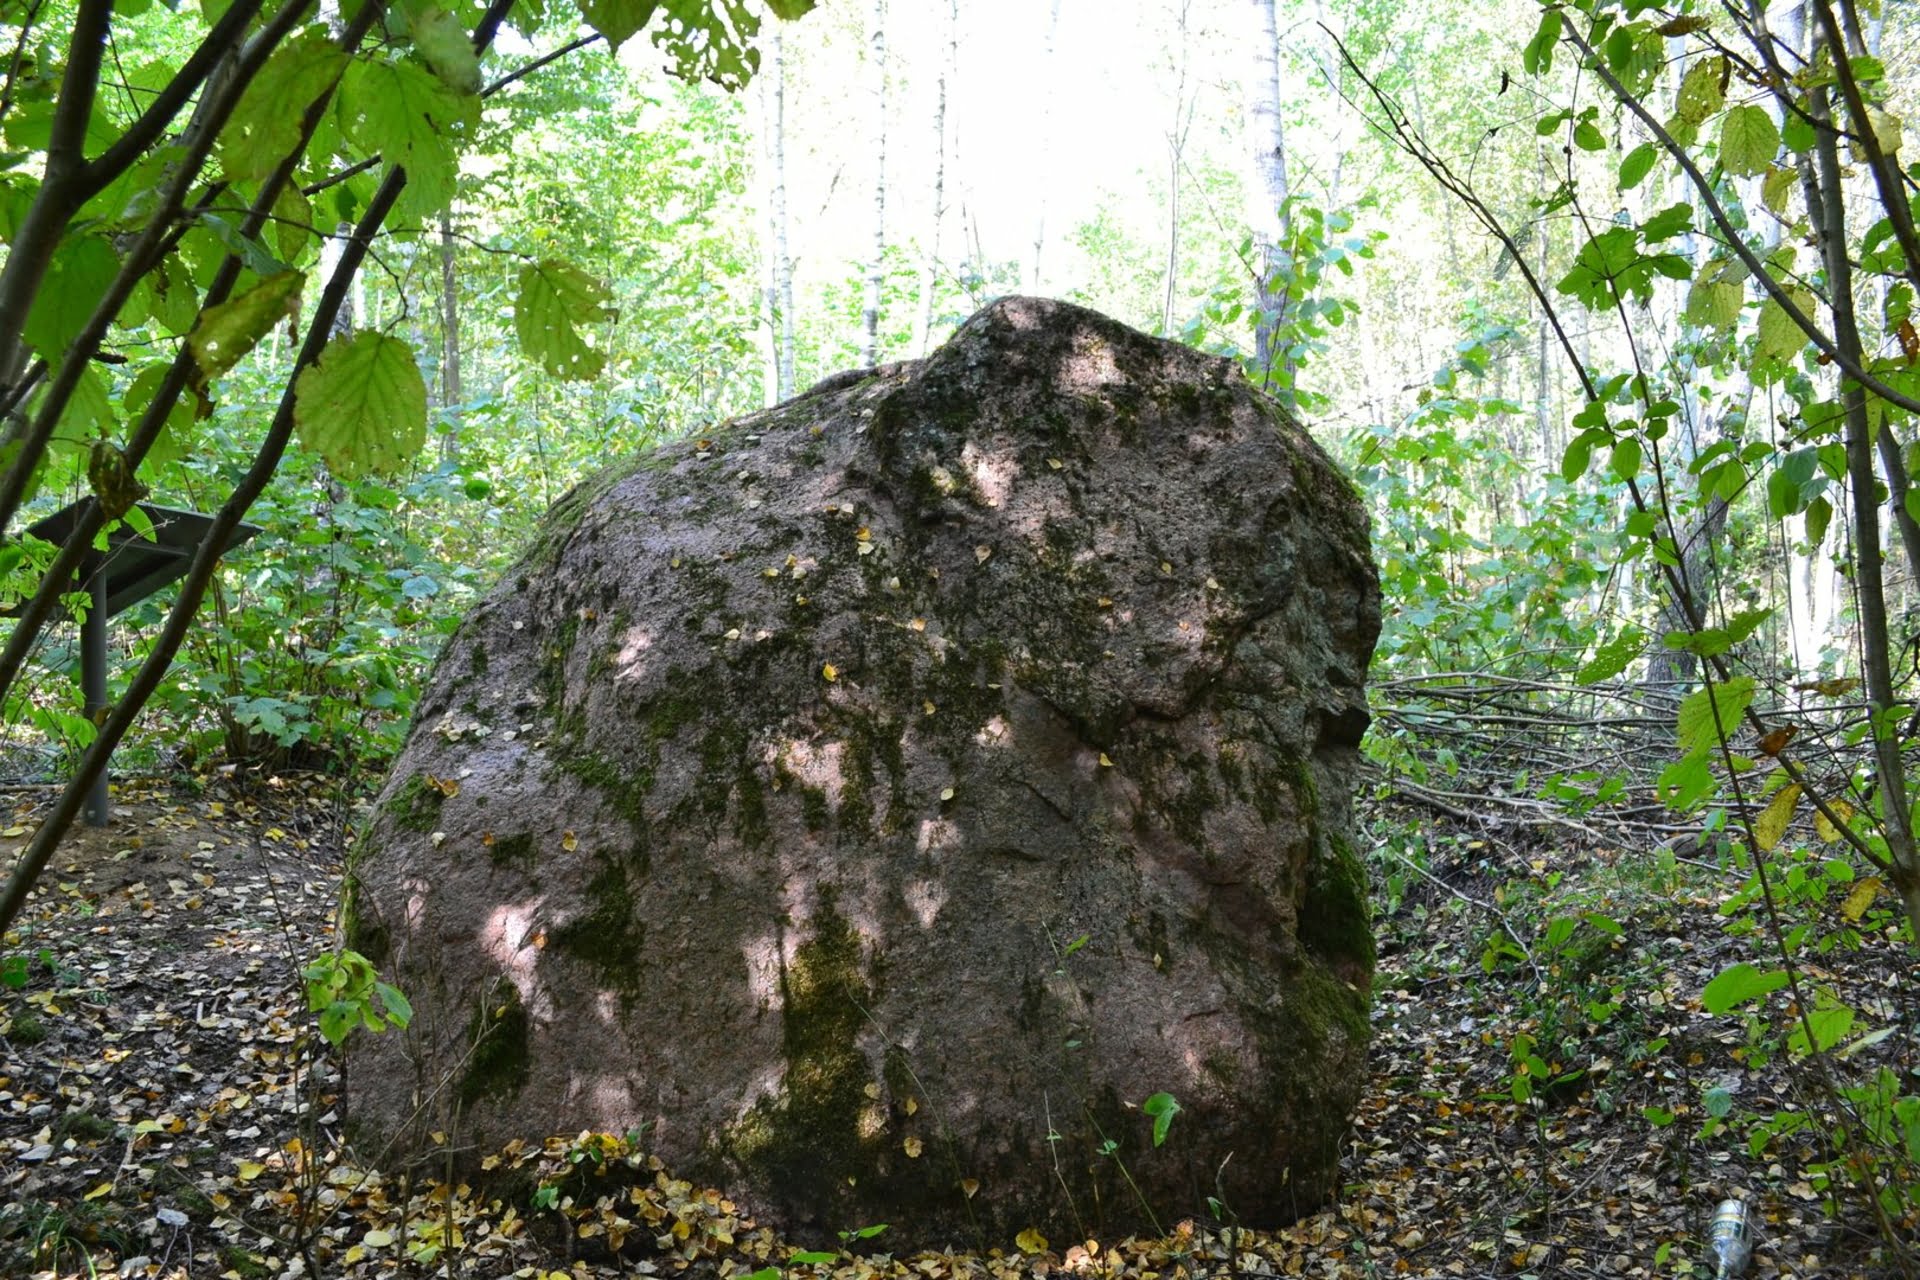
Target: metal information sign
128,571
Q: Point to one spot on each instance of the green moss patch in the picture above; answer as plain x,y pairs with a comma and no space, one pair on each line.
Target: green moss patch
498,1064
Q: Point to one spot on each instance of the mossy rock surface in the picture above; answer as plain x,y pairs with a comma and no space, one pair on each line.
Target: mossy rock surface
875,799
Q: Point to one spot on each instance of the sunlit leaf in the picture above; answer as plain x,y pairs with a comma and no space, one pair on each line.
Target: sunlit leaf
226,333
363,406
556,301
1748,141
1771,825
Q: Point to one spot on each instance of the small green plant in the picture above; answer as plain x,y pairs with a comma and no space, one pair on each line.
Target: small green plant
344,989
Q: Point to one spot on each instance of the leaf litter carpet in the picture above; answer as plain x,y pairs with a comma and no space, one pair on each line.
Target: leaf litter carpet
167,1110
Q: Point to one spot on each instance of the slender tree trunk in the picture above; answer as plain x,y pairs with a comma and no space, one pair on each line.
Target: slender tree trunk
776,286
1043,144
1267,190
1176,154
876,265
930,259
451,394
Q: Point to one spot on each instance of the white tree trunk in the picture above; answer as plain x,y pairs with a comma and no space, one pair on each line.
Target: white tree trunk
876,265
776,286
1267,188
1043,141
930,258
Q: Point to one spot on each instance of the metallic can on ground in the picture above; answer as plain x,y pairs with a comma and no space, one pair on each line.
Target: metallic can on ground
1730,1240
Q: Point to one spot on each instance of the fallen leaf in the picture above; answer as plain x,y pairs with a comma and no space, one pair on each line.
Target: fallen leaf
829,672
1031,1241
569,841
912,1147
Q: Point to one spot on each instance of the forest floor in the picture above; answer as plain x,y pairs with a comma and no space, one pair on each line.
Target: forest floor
163,1112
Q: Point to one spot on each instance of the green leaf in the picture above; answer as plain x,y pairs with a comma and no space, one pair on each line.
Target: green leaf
1798,133
442,40
1699,727
413,119
788,10
398,1008
265,126
1537,58
363,405
1625,462
1714,303
1778,336
1820,515
1588,137
227,332
1637,165
1702,92
82,269
1163,1108
1675,219
1830,1020
556,301
1577,458
1740,985
1776,187
617,20
1748,141
812,1258
292,222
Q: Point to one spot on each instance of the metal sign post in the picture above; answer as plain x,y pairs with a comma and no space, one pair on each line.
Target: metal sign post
131,568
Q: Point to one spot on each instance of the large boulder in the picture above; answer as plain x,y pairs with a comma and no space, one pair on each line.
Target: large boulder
878,798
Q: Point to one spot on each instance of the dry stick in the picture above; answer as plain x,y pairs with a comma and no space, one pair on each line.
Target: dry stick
34,859
140,258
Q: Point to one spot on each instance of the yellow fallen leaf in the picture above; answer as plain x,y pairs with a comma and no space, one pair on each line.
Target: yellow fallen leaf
928,707
13,831
569,841
863,533
1055,463
913,1105
98,1191
1105,762
873,1089
1031,1241
1166,566
251,1169
829,672
918,624
969,1187
377,1239
946,793
355,1254
912,1147
982,553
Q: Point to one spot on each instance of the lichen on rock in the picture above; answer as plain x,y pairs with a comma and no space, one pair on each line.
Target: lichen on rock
877,798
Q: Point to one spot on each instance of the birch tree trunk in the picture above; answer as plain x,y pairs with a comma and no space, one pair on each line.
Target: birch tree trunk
1176,155
930,259
451,393
777,283
1267,189
876,265
1043,143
